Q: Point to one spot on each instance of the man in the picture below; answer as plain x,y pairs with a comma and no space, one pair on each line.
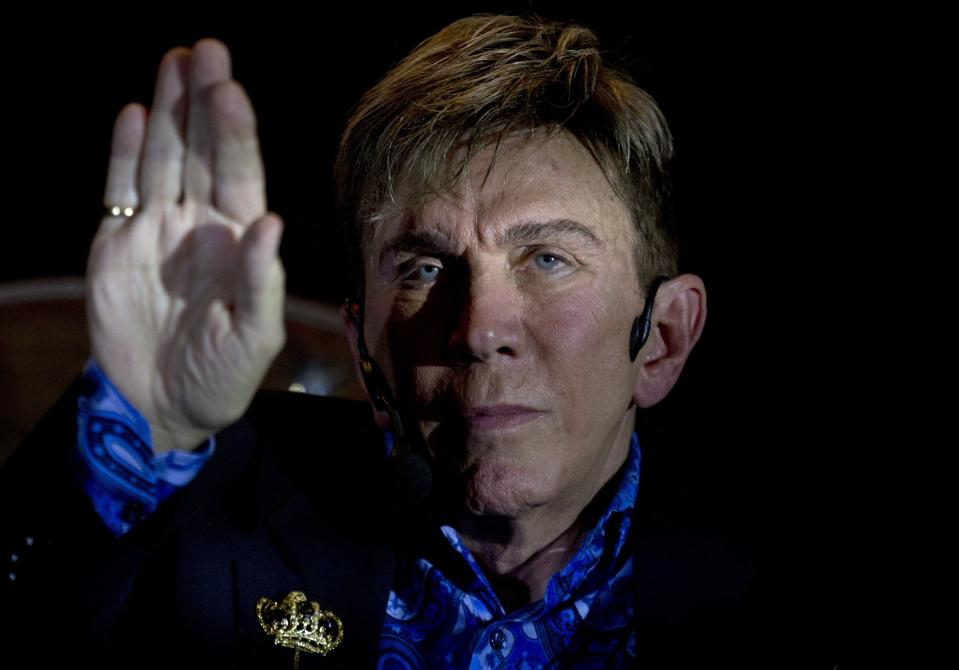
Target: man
518,302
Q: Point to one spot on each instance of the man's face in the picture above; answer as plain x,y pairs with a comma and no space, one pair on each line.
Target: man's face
501,315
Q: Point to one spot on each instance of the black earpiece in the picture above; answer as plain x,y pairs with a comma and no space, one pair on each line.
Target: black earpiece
409,473
642,323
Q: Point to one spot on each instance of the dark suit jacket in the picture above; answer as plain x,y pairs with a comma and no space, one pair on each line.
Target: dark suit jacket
295,499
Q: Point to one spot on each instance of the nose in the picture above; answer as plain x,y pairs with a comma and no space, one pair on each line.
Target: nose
489,322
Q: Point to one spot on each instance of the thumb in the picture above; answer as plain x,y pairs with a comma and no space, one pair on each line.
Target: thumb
260,278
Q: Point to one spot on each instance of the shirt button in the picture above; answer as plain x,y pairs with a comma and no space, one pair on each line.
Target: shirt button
497,640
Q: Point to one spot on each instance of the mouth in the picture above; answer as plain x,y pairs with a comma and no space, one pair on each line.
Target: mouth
500,417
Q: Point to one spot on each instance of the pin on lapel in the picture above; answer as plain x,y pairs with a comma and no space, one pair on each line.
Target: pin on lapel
299,624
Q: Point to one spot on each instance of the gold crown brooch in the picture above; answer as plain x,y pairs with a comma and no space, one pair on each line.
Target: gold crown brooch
299,624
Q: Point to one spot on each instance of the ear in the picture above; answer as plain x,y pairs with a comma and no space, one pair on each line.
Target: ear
677,322
350,313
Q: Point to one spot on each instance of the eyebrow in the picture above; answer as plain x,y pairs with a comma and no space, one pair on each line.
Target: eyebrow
533,231
434,242
418,241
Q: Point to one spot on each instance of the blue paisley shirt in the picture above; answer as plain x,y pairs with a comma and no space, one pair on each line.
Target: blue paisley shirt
442,611
117,468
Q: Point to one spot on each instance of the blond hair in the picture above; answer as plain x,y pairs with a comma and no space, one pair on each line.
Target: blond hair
485,77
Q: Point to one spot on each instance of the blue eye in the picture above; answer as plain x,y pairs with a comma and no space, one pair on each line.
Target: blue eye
548,261
425,273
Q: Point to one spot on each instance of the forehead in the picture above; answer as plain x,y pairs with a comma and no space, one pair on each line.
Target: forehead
525,178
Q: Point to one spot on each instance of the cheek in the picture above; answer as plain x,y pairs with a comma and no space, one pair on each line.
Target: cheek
407,334
583,340
585,325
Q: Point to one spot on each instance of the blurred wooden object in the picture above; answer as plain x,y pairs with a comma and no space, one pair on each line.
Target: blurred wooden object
43,346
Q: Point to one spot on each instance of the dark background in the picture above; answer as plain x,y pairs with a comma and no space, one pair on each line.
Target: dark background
774,418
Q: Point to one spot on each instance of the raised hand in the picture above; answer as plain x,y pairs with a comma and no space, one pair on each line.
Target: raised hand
185,297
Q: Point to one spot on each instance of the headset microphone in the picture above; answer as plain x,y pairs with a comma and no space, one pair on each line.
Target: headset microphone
642,323
408,472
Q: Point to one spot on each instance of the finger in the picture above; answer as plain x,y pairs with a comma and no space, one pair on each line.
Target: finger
238,185
209,65
161,169
259,287
121,186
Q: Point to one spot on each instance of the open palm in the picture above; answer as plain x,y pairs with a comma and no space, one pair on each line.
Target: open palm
185,297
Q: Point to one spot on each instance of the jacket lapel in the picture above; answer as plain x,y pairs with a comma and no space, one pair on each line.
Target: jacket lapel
347,575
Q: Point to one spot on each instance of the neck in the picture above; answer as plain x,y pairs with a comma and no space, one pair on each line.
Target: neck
520,554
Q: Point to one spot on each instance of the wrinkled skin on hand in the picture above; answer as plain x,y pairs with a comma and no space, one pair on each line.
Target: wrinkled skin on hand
185,298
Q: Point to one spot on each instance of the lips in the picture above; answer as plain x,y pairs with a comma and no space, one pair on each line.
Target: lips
498,417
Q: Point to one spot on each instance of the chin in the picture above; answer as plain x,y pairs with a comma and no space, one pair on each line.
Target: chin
502,490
